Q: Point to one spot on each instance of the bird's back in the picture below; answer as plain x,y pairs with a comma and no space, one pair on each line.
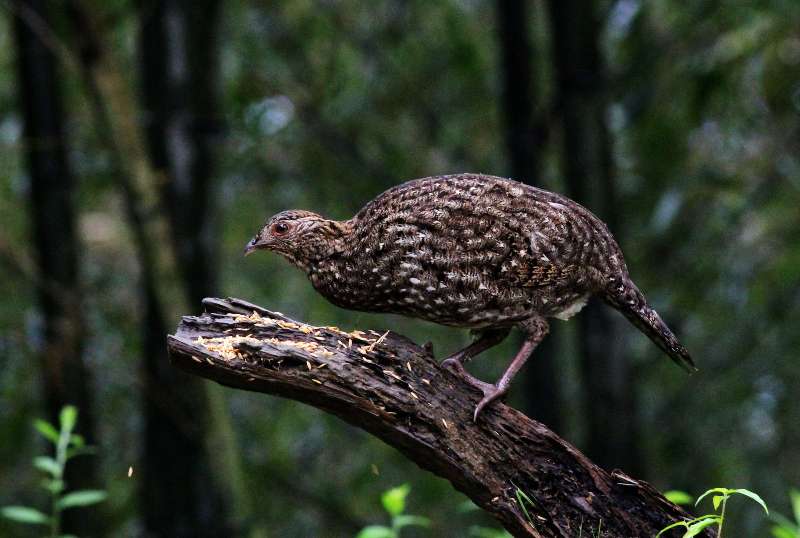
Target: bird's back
470,250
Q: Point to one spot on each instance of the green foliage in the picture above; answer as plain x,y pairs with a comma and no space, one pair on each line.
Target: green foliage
394,502
522,501
719,499
783,527
477,531
678,497
67,445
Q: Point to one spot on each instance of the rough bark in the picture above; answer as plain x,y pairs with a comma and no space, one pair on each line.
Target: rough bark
588,168
390,387
65,376
524,142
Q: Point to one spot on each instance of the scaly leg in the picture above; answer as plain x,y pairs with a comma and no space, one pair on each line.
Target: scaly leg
536,329
455,362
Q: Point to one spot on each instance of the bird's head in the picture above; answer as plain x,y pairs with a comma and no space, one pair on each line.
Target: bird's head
301,237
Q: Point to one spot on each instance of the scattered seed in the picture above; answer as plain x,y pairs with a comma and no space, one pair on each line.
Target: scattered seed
378,341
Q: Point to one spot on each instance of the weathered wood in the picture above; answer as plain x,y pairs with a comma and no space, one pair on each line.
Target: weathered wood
390,387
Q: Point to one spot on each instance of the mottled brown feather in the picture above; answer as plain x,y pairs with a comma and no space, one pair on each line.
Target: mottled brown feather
467,250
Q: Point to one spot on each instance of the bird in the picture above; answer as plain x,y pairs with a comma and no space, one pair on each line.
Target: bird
473,251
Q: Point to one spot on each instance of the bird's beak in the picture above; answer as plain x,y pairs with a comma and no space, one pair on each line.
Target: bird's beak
252,246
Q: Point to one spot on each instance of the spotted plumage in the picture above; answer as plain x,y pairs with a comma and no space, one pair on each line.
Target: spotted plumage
468,250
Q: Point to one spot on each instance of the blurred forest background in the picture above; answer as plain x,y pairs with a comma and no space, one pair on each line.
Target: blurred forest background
143,143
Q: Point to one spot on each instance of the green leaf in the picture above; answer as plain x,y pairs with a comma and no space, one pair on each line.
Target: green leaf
46,429
782,532
24,514
77,440
696,528
80,451
487,532
394,500
84,497
47,464
678,497
54,486
672,526
716,500
783,522
749,494
723,491
467,506
376,531
403,520
522,498
794,495
68,417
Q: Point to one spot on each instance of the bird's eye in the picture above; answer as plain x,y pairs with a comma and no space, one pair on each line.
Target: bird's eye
280,228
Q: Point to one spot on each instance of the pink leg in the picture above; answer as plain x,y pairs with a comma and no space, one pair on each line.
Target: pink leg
455,362
536,329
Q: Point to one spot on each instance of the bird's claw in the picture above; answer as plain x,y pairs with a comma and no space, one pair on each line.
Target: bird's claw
428,347
454,365
490,394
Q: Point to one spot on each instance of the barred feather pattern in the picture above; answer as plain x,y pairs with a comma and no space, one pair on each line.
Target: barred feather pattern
466,250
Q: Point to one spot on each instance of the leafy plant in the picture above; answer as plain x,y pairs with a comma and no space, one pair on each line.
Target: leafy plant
719,499
678,497
394,502
478,531
67,446
784,527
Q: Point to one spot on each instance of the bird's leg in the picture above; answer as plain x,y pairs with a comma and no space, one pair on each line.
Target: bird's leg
455,362
535,330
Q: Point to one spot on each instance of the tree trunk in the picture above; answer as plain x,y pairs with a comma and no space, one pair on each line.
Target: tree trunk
66,379
178,66
180,495
587,165
535,483
179,69
524,143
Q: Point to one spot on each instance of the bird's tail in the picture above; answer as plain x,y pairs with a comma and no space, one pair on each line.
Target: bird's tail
626,297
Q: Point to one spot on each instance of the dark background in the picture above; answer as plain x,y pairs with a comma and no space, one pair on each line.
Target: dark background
143,143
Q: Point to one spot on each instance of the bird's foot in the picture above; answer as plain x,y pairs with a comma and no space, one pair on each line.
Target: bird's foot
454,365
490,394
428,347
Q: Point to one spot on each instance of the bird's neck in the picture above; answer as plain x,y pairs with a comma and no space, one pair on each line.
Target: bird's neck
332,240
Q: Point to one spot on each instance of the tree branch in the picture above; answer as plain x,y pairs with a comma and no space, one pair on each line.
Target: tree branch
390,387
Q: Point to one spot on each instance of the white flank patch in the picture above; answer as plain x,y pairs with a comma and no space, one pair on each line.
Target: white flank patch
573,309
